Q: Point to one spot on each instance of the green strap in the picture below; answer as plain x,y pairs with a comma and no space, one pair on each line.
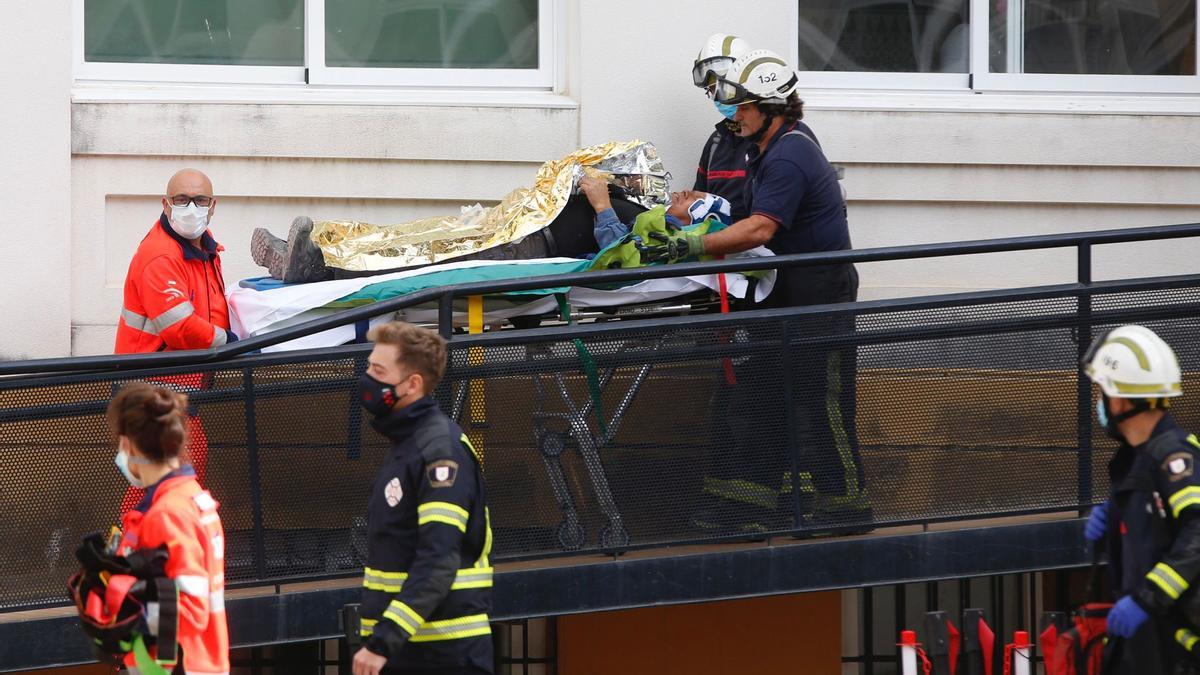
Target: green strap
145,663
589,366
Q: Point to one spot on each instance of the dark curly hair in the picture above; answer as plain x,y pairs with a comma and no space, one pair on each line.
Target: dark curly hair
791,111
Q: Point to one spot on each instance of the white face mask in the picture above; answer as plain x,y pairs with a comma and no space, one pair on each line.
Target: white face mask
189,221
122,461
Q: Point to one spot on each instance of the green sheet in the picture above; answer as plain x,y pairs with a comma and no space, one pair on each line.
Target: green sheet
385,290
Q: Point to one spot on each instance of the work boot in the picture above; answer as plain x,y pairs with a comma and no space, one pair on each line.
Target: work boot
838,514
718,517
296,260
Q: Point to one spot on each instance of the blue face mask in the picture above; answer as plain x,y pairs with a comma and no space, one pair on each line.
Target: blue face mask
726,109
1101,412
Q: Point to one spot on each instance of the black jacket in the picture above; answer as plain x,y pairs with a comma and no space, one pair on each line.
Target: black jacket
722,169
1153,541
428,580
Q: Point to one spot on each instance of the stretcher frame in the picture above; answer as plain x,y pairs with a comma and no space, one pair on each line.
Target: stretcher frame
577,430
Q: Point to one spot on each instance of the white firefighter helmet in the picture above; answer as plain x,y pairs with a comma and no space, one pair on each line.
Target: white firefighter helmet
1133,362
761,76
714,59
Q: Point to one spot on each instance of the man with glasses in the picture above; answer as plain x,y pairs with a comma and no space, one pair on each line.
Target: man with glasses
175,295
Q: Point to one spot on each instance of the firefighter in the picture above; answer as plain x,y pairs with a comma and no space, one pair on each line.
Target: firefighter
795,205
722,168
175,513
428,579
1150,525
175,294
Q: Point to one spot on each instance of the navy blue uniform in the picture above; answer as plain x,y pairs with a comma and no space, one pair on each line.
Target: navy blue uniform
428,580
722,168
1153,542
793,184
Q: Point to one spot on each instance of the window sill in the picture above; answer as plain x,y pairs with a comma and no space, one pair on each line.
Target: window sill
999,102
134,92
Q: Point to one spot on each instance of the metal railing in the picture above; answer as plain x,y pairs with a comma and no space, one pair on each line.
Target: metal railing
287,436
1082,242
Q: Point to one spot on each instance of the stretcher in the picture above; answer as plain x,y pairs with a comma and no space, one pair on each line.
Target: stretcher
258,308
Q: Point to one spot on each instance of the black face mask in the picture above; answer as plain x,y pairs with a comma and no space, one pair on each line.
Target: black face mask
1110,422
376,397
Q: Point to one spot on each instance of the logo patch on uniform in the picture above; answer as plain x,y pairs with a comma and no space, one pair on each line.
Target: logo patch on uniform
1178,466
393,493
442,473
173,293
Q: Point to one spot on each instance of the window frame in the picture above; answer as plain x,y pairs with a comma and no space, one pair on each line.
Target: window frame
985,80
540,78
980,80
548,77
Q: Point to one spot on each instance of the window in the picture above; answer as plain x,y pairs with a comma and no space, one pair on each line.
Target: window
884,36
926,41
426,43
1036,45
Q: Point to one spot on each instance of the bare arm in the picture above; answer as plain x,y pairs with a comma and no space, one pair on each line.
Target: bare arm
743,235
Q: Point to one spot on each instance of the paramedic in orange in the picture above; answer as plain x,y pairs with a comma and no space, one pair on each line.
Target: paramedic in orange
150,424
174,292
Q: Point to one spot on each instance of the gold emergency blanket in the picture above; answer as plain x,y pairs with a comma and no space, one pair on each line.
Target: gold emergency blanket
363,247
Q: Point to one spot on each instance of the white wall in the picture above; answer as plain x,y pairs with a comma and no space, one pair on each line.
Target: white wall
636,69
918,172
919,169
271,163
35,182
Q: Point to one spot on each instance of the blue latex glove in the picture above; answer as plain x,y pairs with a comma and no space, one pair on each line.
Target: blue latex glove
1097,524
1126,617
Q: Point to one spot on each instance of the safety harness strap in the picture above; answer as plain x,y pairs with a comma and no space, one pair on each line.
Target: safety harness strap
167,643
589,366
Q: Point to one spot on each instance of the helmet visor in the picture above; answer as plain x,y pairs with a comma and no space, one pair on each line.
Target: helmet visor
734,93
1090,354
707,70
731,93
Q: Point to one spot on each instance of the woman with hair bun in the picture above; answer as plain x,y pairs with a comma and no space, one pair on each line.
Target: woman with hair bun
150,425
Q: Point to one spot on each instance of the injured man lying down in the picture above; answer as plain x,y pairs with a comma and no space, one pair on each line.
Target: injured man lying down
577,207
599,208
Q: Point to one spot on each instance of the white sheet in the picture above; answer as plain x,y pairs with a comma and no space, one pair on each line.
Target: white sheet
254,312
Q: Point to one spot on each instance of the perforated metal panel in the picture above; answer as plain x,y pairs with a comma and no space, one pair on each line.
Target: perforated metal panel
626,435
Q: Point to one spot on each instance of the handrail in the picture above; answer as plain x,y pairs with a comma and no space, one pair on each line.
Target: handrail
445,295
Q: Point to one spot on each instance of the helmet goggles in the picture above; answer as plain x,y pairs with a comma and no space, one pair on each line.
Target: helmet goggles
704,73
734,93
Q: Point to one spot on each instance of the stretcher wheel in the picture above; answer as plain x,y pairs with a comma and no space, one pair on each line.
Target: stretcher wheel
571,535
614,537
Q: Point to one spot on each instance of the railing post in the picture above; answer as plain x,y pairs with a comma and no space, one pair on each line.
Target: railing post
446,315
1083,388
251,414
787,363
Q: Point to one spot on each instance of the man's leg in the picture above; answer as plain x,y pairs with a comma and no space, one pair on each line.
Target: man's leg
829,412
742,491
197,447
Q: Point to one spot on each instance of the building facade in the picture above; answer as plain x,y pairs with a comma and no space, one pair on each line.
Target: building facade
1039,120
